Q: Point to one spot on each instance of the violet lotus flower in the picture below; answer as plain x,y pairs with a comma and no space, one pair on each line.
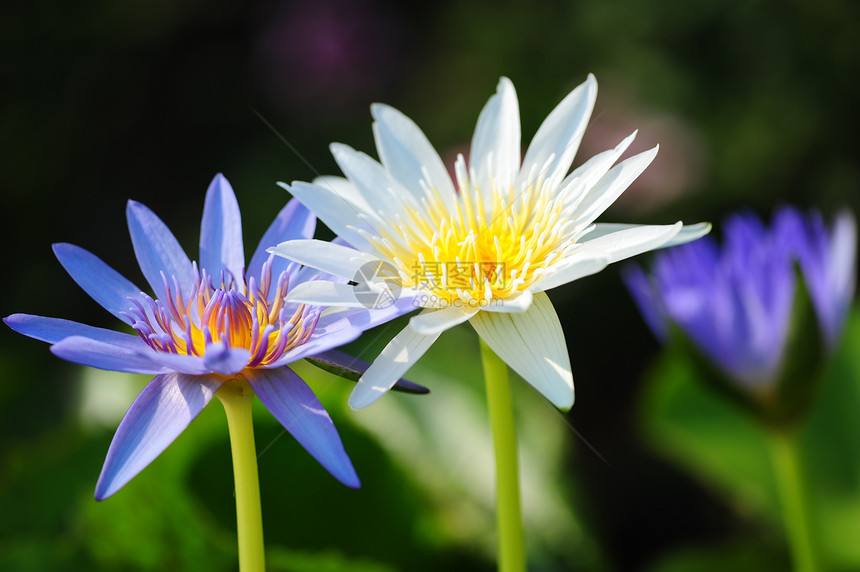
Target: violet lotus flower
736,302
208,322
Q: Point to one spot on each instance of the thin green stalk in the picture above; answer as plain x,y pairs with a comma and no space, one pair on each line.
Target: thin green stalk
237,397
509,519
788,470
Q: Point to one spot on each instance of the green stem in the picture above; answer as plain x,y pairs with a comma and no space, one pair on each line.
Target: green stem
788,470
509,519
237,396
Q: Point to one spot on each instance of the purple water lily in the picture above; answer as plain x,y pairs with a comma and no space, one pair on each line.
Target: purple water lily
735,303
208,323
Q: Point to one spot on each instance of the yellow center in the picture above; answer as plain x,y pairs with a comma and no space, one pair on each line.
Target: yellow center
465,254
235,313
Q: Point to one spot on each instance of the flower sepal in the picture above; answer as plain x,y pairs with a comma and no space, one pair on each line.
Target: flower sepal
806,357
783,401
351,368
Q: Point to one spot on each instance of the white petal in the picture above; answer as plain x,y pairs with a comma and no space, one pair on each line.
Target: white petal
434,322
629,241
385,195
407,154
570,269
532,343
342,187
332,258
604,228
605,244
520,302
576,185
689,233
394,361
560,133
325,293
495,151
337,208
610,187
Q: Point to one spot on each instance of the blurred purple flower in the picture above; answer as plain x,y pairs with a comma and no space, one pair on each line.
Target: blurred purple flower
735,303
207,324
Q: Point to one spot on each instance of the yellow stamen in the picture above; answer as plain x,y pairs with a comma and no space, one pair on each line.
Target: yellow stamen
470,252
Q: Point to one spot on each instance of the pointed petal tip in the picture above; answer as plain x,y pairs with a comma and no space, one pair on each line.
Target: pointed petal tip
504,84
351,481
360,400
15,321
104,491
688,233
339,148
220,183
562,398
159,414
566,406
294,405
645,158
377,110
590,84
64,249
407,386
627,140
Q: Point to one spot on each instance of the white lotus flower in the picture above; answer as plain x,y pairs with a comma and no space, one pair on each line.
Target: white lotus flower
484,248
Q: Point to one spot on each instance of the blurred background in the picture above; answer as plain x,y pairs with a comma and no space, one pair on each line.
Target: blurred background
754,105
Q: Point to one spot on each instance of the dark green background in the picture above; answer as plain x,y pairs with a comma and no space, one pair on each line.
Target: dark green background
754,104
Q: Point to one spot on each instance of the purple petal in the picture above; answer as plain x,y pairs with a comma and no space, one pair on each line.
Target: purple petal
293,403
181,363
160,413
294,221
53,330
225,360
827,261
221,231
841,273
104,284
157,250
104,355
734,302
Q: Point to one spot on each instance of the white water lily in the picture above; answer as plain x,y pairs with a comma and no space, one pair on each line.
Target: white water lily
483,248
